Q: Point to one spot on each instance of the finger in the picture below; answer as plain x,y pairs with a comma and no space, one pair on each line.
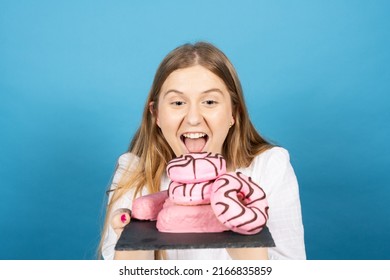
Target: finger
125,219
122,210
120,219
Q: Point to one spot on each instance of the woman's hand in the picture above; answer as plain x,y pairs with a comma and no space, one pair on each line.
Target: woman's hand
119,219
248,253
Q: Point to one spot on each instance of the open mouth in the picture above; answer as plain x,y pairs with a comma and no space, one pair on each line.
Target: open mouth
194,142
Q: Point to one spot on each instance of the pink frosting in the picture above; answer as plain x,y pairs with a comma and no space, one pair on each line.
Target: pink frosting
190,194
196,167
148,206
180,218
239,203
202,197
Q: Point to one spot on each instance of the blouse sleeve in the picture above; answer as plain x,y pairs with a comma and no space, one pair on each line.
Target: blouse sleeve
125,162
277,177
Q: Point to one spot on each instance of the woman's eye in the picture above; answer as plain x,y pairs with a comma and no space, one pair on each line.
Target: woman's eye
177,103
210,102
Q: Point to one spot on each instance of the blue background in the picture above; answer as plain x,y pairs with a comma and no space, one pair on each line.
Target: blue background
74,76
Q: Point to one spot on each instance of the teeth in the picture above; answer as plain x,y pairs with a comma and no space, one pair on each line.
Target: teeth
194,135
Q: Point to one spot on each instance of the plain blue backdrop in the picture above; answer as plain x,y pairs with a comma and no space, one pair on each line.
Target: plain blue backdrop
74,76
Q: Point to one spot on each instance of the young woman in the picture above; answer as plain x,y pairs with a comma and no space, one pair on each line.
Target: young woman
196,104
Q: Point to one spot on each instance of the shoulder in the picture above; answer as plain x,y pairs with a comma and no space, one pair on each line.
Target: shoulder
127,161
274,156
269,166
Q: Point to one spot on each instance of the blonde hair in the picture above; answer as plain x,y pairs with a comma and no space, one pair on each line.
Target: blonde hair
241,145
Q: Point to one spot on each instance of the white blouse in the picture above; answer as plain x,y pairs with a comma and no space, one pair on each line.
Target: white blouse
272,170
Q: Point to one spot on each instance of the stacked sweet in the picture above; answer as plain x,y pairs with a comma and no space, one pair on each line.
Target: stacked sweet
202,197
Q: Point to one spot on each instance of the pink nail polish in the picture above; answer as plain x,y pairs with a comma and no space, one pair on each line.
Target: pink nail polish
123,218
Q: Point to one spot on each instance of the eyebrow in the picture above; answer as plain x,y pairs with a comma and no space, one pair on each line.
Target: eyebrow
206,91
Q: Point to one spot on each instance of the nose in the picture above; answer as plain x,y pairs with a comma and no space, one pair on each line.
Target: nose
194,115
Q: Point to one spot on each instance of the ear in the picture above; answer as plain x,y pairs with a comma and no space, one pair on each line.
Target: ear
232,121
153,111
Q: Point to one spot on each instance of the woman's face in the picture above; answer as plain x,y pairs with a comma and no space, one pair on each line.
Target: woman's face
194,111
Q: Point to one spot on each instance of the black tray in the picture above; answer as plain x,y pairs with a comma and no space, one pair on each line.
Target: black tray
143,235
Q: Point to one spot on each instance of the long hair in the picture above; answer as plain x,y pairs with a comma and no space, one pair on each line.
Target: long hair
241,145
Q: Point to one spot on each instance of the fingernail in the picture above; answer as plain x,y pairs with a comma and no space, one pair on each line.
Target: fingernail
123,218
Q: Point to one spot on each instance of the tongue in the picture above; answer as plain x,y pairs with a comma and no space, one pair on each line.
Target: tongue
195,145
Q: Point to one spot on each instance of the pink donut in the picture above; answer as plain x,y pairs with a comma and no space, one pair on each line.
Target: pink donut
185,219
190,194
148,206
239,203
196,167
